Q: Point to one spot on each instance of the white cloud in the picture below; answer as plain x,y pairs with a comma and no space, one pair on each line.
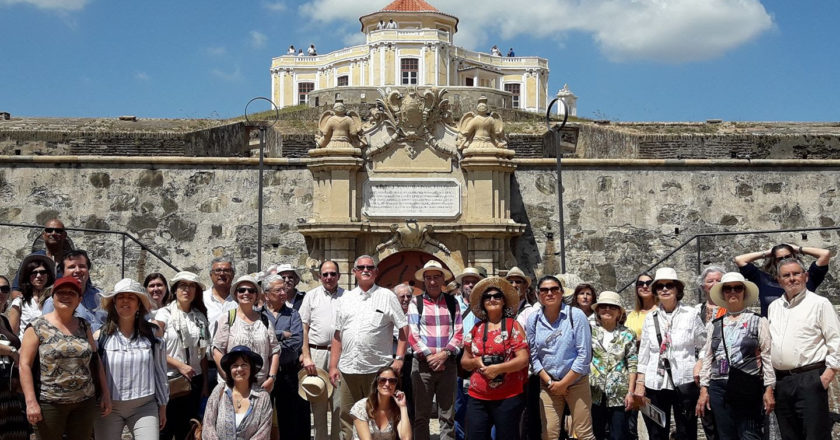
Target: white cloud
233,76
625,30
275,6
216,50
141,76
258,39
61,5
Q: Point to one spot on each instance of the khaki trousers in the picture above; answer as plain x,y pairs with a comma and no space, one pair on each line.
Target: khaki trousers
321,358
353,388
579,400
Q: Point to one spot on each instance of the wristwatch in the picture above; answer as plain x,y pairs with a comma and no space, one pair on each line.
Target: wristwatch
550,381
273,376
398,357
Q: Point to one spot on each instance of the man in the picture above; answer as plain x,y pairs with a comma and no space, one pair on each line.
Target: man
317,313
218,298
291,410
291,277
467,279
805,353
436,336
55,245
77,264
362,341
405,294
530,427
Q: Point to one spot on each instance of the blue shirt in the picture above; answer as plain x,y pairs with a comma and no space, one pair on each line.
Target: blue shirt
287,320
88,309
558,347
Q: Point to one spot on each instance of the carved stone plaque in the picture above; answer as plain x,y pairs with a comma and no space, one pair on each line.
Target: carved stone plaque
412,198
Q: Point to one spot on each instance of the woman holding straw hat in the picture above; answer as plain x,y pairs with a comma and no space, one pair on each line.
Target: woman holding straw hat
135,365
497,353
737,349
613,368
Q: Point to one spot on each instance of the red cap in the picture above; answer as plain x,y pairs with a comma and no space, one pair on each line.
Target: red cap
68,281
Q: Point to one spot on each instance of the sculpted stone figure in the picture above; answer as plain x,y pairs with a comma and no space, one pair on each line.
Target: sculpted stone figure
482,129
339,128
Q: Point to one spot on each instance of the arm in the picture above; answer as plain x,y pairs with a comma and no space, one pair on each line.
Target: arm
404,427
414,335
295,341
822,255
211,413
14,317
401,348
306,355
161,381
631,354
28,350
268,384
220,343
519,360
335,354
765,343
830,326
744,259
362,429
644,358
583,344
205,390
263,416
105,401
457,340
705,360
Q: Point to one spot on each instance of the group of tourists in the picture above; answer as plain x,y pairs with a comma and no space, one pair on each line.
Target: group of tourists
252,357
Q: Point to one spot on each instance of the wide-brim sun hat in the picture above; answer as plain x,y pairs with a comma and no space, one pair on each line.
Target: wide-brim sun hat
511,295
750,289
127,285
517,272
470,272
241,350
246,279
609,297
666,273
317,388
432,265
45,261
187,277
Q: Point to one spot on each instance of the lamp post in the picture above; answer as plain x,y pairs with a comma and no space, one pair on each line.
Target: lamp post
262,125
557,129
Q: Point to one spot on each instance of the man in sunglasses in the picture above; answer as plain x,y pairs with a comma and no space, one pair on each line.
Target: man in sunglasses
363,339
55,245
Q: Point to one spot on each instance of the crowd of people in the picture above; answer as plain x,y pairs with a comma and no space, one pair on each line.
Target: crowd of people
252,357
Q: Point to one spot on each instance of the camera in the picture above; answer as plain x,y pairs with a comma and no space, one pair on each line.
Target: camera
493,359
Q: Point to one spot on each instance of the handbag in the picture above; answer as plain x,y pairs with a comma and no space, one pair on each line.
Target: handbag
179,386
742,388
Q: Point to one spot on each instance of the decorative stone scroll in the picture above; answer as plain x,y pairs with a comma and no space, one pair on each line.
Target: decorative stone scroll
411,198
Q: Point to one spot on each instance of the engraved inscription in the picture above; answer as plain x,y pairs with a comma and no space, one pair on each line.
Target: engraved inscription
411,198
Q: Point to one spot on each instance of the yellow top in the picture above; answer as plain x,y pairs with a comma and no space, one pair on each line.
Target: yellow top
635,321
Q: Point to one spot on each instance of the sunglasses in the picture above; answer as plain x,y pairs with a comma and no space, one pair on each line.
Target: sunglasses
387,381
497,295
39,272
609,306
644,283
367,268
552,290
5,289
246,290
738,288
329,274
668,286
287,277
54,230
515,281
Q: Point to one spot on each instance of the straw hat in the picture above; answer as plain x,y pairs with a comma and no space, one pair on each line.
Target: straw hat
127,285
235,352
511,295
750,289
666,273
470,272
246,279
314,388
609,297
432,265
185,276
517,272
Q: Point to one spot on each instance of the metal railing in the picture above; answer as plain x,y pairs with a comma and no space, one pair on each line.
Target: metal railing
125,236
696,238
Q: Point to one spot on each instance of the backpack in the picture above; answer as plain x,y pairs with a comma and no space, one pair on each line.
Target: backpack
232,317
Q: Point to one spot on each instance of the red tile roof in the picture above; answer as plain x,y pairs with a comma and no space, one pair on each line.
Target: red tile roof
410,6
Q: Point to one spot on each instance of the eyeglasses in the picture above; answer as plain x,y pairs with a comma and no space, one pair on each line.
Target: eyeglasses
5,289
496,296
329,274
738,288
668,286
39,272
386,381
246,290
54,230
222,271
287,277
404,296
515,281
370,268
550,290
644,283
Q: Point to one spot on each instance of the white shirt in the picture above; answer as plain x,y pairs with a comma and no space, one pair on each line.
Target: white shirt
28,312
365,322
318,312
803,331
687,339
216,308
184,334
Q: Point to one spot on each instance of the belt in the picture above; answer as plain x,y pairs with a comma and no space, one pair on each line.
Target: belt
784,373
319,347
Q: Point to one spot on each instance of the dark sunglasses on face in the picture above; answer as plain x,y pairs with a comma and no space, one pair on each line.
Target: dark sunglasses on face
367,268
329,274
37,272
552,290
246,290
515,281
287,277
644,283
5,289
54,230
386,381
609,306
497,295
738,288
669,286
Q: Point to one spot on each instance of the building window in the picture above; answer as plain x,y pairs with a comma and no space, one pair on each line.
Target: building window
303,91
409,68
469,82
514,90
343,81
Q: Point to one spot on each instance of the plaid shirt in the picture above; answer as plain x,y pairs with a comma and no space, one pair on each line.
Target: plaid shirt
436,332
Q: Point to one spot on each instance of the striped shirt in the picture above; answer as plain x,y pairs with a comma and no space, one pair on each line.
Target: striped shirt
436,331
133,370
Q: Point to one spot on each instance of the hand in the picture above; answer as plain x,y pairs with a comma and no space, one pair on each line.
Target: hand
286,334
769,401
437,360
629,402
335,376
268,384
33,413
186,370
162,417
827,377
557,389
399,397
309,366
105,404
702,402
697,366
491,372
397,364
639,395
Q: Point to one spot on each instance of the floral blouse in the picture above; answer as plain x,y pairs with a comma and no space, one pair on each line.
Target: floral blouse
64,362
614,359
220,416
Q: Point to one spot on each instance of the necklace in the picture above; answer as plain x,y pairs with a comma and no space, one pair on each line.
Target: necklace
239,402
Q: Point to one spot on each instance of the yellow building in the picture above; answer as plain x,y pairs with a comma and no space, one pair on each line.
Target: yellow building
408,43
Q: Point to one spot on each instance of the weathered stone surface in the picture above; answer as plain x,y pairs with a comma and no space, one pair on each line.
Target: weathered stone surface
100,180
150,179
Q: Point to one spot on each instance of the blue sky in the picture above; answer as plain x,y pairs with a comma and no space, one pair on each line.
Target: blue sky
627,60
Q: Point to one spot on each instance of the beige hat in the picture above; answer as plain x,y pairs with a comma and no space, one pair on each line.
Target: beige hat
750,289
185,276
517,272
287,268
432,265
565,279
666,273
511,295
127,285
245,279
314,388
470,272
609,297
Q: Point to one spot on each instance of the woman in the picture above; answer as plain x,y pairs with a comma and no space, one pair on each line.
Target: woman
560,342
185,331
383,414
583,298
66,403
135,365
707,309
668,367
613,369
13,423
246,326
238,408
738,341
37,272
158,290
768,288
645,301
497,354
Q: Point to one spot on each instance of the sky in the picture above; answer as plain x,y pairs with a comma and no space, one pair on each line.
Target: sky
626,60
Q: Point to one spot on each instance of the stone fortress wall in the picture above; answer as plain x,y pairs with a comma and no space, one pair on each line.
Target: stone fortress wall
623,208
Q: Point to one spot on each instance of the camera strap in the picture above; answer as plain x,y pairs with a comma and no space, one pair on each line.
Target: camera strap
504,333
